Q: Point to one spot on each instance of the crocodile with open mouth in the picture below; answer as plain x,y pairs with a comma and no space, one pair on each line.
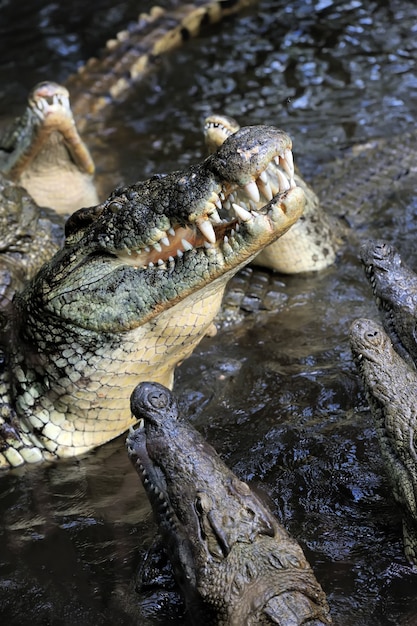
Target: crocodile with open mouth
235,564
134,289
312,244
43,152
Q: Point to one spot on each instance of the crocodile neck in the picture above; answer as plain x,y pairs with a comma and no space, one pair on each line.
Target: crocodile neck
66,418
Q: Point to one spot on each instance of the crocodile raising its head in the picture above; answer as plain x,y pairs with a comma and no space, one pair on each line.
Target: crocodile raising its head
235,564
136,286
394,286
43,152
391,387
309,246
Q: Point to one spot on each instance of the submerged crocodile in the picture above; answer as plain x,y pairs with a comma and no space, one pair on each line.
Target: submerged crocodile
387,358
391,388
43,152
107,80
234,563
135,288
311,245
394,286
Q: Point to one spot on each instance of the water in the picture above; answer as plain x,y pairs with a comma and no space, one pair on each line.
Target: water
277,395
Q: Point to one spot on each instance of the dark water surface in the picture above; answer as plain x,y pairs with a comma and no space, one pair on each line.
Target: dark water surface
277,395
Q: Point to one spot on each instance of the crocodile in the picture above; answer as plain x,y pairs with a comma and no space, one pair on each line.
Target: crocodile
394,286
108,79
312,244
235,564
391,388
132,292
43,152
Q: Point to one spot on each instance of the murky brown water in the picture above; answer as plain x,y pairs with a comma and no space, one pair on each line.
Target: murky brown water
278,395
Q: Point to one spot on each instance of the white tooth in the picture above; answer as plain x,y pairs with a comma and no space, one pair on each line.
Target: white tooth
242,213
218,203
179,253
276,159
186,244
171,259
215,217
147,249
265,188
160,262
208,245
225,239
292,183
157,247
221,195
151,264
289,160
252,191
165,241
171,231
237,228
264,177
207,230
284,185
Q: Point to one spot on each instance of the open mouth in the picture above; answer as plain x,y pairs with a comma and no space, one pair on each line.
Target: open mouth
225,213
47,98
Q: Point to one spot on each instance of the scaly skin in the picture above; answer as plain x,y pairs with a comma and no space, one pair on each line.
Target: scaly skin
395,290
133,291
234,563
43,152
391,387
311,244
27,239
107,80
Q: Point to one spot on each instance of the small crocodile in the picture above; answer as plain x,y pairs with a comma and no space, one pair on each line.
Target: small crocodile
233,561
311,245
134,289
43,152
391,388
394,285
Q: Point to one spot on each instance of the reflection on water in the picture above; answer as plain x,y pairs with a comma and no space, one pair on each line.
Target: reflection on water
277,395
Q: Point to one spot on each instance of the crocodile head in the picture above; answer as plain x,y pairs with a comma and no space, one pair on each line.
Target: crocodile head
229,553
312,244
394,286
43,152
136,287
391,388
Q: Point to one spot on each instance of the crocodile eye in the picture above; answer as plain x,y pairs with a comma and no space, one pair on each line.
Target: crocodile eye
115,206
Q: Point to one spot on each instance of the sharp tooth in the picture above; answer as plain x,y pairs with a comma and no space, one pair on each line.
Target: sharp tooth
264,177
218,203
290,160
265,188
157,247
160,262
242,213
284,185
226,239
252,191
150,264
186,245
208,245
147,249
171,259
207,230
215,217
171,232
165,241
